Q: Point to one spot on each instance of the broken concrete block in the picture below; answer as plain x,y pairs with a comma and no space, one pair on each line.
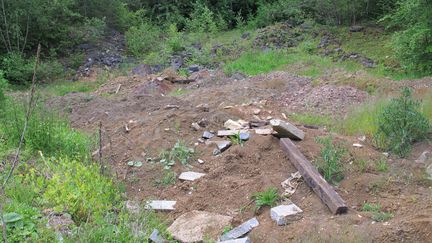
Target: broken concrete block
223,145
195,126
286,130
155,237
207,135
264,131
357,145
224,133
285,214
190,176
244,136
241,240
200,161
232,125
241,230
161,205
258,123
197,226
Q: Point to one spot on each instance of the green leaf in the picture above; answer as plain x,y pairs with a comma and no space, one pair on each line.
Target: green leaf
12,217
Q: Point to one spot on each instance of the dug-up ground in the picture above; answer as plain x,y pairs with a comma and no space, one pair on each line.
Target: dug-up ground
143,115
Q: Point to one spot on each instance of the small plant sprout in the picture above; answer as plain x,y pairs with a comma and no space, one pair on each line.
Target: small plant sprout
179,153
236,139
268,197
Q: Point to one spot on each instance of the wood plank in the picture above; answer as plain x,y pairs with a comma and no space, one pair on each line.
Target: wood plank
313,178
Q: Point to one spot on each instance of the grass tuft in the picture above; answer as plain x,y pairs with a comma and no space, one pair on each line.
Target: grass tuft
268,197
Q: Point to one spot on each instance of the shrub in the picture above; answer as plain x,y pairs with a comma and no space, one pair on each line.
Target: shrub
281,10
268,197
3,86
142,39
79,189
329,164
17,69
400,124
202,19
174,42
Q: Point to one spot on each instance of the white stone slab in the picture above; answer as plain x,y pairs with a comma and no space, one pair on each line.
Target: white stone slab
285,214
161,205
190,176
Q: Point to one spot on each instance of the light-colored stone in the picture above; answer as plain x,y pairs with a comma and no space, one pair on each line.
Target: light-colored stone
286,130
285,214
423,158
241,240
256,111
195,126
197,226
190,176
224,133
357,145
162,205
233,125
132,206
429,171
263,131
155,237
200,161
241,230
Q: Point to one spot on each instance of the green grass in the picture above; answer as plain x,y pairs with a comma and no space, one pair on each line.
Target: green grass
381,165
179,152
330,162
268,197
312,119
179,92
169,178
377,214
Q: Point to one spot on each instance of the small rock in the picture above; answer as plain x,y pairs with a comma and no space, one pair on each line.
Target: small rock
161,205
284,116
285,214
429,171
223,145
155,237
195,126
244,136
362,138
216,152
269,117
356,28
224,133
357,145
258,123
264,131
386,154
193,68
241,230
203,107
207,135
197,226
232,125
169,107
203,122
190,176
256,111
200,161
423,158
241,240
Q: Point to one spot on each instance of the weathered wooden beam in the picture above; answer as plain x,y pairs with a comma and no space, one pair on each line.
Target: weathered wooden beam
313,178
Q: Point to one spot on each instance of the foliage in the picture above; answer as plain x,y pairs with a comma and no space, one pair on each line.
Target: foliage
175,40
312,119
169,178
142,39
377,214
3,85
381,165
202,19
268,197
253,63
330,164
78,189
236,139
401,123
413,40
179,153
17,69
276,11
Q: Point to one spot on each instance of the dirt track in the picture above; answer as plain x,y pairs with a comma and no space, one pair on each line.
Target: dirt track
239,172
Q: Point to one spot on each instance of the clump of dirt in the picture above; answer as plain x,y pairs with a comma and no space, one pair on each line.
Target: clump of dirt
156,119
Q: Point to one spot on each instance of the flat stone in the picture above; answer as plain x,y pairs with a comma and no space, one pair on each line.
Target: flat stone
258,123
244,136
285,214
241,230
287,130
232,125
223,145
225,133
264,131
161,205
197,226
195,126
155,237
256,111
190,176
207,135
200,161
423,158
357,145
241,240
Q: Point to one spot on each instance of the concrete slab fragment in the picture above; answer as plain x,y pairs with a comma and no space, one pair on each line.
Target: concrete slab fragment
162,205
285,214
190,176
241,230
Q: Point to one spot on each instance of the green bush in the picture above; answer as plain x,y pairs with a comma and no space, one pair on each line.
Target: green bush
202,19
401,123
17,69
143,39
174,41
79,189
3,86
281,10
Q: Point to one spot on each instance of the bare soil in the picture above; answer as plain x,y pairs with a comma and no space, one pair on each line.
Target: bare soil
144,105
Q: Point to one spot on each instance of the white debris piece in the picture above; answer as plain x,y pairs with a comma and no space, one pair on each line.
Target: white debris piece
190,176
285,214
161,205
290,185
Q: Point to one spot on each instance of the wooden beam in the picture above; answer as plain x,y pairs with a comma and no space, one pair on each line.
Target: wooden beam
313,178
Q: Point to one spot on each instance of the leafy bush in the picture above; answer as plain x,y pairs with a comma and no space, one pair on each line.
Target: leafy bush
17,69
79,189
143,39
329,164
3,86
202,19
413,40
268,197
401,123
281,10
174,42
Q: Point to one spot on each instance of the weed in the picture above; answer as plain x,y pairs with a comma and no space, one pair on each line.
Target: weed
382,216
236,139
178,92
381,165
268,197
330,162
362,165
253,63
400,124
377,214
312,119
168,179
371,207
179,153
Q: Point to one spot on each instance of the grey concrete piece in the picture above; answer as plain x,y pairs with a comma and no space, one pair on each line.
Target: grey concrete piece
241,230
224,133
285,214
241,240
161,205
264,131
287,130
155,237
244,136
190,176
207,135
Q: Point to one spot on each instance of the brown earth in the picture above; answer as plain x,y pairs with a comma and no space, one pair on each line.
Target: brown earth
147,107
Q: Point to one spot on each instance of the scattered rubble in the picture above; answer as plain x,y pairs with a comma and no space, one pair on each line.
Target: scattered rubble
197,226
235,125
195,126
190,176
162,205
241,230
285,214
